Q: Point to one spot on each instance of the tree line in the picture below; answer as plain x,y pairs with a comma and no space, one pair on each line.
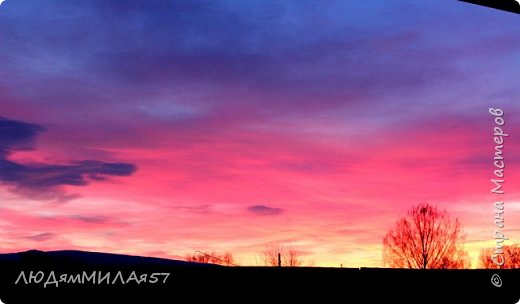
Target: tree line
272,255
426,238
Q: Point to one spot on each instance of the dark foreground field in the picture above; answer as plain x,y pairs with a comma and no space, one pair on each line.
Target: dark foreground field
84,277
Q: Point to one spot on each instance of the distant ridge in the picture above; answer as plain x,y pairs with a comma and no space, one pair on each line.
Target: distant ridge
91,258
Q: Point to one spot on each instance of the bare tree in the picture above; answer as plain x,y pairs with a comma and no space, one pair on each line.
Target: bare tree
270,255
426,238
293,258
212,257
273,255
510,256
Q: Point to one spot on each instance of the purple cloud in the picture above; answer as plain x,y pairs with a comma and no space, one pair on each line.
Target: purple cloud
264,210
44,177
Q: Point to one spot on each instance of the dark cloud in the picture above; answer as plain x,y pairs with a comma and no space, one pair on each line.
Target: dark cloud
46,175
38,178
17,135
264,210
42,236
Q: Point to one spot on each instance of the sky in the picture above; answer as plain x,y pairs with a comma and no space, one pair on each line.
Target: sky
161,127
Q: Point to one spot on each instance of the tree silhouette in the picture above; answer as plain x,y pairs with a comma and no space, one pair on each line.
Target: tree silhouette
426,238
212,257
510,255
272,255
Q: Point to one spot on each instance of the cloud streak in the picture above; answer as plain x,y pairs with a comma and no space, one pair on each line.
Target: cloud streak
42,237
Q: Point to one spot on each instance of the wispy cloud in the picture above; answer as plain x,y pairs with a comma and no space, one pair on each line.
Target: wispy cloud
90,219
41,237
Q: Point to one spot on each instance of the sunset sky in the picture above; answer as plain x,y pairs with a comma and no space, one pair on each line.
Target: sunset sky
155,127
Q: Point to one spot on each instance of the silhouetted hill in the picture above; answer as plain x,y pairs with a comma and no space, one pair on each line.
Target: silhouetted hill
93,277
89,258
506,5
